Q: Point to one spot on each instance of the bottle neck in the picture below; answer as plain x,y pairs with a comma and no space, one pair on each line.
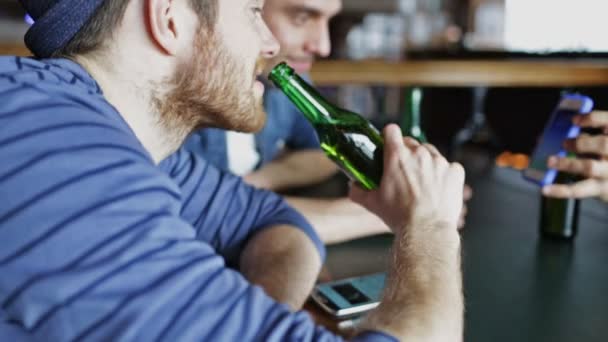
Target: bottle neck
314,107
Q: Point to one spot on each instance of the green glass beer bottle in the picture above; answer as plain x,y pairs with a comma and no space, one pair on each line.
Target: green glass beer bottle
348,139
411,123
559,217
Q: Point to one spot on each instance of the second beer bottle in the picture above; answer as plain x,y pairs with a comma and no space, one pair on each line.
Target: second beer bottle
347,138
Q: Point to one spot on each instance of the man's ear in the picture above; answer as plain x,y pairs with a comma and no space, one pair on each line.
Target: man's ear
161,22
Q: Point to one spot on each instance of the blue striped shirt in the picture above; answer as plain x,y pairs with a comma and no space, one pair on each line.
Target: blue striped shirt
98,243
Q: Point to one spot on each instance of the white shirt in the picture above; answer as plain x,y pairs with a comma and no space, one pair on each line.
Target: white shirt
243,156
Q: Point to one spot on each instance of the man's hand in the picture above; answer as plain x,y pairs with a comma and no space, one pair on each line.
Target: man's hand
418,185
593,165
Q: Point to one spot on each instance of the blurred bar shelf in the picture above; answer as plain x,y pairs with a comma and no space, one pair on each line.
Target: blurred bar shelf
464,73
14,49
440,72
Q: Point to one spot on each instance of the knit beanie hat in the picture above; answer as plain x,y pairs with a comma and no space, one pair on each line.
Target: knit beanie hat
56,22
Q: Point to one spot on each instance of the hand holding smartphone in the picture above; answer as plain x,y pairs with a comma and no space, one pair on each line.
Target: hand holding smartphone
557,130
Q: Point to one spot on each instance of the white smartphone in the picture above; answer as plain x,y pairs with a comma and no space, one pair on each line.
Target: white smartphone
350,297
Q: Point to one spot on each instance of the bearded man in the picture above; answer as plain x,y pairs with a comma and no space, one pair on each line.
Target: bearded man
110,231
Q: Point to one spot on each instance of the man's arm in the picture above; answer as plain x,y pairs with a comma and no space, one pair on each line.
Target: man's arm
423,298
338,220
420,198
284,262
271,244
293,169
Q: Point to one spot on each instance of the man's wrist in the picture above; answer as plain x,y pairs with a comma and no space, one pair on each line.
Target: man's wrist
418,230
425,282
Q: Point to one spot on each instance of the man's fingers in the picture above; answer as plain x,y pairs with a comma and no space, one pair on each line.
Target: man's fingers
463,215
411,143
394,154
458,170
585,143
596,119
358,194
433,150
586,188
393,138
467,192
586,167
461,223
465,210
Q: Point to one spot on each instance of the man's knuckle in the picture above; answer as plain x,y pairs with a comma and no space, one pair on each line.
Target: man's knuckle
604,191
603,172
580,143
459,168
567,164
577,192
603,145
589,168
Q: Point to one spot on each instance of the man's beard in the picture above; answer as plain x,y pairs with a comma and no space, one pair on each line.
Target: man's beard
211,89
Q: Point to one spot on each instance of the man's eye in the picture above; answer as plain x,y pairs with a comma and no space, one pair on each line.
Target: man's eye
257,10
301,19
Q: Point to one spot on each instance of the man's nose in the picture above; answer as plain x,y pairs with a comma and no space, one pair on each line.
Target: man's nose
319,42
270,45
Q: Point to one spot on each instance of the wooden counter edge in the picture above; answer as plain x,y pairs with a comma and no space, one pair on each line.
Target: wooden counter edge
442,73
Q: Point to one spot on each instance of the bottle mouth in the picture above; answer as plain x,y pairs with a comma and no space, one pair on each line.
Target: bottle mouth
281,74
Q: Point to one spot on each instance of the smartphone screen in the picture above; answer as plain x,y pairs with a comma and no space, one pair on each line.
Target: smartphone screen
558,129
350,296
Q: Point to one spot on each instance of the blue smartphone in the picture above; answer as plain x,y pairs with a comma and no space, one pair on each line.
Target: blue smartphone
350,297
557,130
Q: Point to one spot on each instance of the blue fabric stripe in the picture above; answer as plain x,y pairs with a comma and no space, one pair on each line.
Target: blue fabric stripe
10,78
164,277
275,209
182,309
34,109
54,129
180,167
84,256
102,279
19,63
65,223
198,186
187,176
228,206
45,193
198,224
227,310
40,158
242,218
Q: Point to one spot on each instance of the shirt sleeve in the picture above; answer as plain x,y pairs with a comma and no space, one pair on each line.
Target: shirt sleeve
224,210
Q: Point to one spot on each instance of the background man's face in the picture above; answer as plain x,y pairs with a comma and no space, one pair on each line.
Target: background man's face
302,29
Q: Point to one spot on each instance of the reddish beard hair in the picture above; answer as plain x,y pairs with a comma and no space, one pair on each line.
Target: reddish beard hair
210,89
